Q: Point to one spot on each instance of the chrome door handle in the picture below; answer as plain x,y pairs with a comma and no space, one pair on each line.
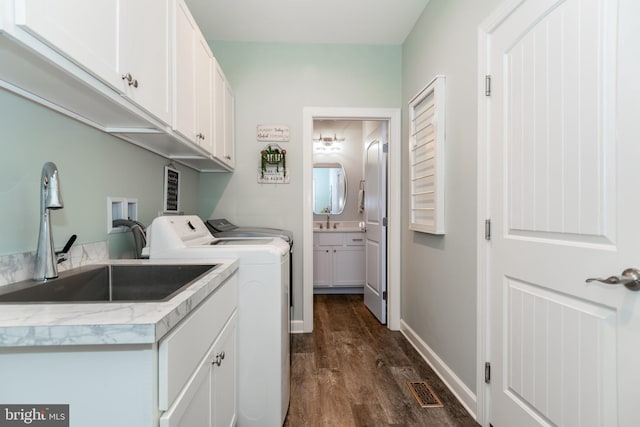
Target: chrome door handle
630,279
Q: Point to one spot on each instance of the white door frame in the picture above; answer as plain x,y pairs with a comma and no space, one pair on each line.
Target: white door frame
393,115
483,212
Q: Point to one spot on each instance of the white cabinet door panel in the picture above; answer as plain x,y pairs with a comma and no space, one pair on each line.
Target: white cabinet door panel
144,38
87,32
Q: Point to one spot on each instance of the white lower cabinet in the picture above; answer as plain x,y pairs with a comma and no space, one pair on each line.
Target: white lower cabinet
189,378
198,366
210,398
338,260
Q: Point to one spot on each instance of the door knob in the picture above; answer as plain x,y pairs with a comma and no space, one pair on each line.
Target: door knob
630,279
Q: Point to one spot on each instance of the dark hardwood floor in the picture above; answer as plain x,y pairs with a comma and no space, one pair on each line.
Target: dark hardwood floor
352,371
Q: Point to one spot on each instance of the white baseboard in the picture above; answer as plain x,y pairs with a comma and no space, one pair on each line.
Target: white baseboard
457,387
297,326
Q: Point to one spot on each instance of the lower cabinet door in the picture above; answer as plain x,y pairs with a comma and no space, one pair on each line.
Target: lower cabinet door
224,377
348,266
192,406
210,397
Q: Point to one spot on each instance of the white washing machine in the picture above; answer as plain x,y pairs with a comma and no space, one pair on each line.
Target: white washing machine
263,309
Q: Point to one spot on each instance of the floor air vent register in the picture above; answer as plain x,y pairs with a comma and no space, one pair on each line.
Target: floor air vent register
424,394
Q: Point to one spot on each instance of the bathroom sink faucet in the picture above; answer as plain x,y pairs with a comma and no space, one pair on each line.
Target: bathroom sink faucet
328,216
50,198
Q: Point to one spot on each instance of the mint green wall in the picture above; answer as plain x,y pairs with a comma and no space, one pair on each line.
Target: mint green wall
272,83
92,166
439,272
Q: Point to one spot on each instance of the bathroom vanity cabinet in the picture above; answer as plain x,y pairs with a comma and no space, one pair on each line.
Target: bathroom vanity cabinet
338,260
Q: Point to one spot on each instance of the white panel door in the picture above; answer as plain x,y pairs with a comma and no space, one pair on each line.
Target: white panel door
375,211
563,149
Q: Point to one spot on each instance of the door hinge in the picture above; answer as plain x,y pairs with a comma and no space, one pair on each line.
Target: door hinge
384,221
384,295
385,148
487,85
487,229
487,372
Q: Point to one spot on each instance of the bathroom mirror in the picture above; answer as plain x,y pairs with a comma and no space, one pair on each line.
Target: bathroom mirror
329,188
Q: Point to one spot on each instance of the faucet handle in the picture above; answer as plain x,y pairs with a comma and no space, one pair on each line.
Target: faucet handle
63,254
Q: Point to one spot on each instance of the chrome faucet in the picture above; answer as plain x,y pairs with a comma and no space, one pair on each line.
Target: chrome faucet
328,216
50,198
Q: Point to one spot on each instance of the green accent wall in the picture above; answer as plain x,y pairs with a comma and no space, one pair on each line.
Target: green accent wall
272,83
92,166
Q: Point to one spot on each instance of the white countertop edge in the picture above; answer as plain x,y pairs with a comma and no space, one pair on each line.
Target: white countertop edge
339,230
108,323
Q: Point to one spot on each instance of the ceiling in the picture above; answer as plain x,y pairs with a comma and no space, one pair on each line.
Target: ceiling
375,22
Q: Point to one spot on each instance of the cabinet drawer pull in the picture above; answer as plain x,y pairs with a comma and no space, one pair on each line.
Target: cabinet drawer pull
356,240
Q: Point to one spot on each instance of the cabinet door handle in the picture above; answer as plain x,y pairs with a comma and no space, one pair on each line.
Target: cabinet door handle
218,359
327,251
130,80
356,240
334,251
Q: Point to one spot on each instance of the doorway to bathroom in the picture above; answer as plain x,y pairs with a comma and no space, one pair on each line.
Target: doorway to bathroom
378,155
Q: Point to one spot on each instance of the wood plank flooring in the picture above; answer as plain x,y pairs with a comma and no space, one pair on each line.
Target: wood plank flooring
352,371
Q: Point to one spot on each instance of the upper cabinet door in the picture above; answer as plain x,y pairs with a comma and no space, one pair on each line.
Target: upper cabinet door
229,125
184,77
204,95
84,31
223,117
123,43
144,55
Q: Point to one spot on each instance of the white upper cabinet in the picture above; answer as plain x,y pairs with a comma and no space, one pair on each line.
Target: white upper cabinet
184,76
224,121
204,95
193,81
144,54
123,43
140,70
84,31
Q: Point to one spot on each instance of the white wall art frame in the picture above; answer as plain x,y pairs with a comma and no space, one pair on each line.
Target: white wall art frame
426,158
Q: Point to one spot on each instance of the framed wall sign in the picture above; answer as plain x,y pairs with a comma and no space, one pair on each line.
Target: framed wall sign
171,189
272,133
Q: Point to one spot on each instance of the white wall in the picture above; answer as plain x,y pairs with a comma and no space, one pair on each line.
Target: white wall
439,272
272,83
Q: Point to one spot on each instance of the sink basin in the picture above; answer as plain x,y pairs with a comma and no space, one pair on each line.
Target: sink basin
108,283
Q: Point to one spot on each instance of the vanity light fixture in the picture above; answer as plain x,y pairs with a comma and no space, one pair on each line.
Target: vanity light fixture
323,143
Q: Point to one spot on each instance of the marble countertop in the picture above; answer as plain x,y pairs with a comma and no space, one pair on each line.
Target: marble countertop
42,324
338,230
338,227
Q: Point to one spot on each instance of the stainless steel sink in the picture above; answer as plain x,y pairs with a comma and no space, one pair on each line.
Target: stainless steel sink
108,283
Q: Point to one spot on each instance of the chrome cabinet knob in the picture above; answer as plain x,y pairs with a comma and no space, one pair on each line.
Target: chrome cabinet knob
630,278
218,359
130,80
